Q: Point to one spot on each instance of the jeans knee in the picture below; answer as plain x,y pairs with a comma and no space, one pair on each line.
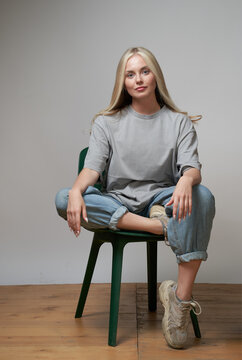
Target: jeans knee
61,201
204,197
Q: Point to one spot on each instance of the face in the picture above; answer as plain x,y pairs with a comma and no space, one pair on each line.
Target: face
139,80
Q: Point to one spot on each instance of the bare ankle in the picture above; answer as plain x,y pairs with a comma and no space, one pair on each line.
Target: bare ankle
157,227
183,296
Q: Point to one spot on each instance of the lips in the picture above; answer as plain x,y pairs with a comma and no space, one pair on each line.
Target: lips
140,88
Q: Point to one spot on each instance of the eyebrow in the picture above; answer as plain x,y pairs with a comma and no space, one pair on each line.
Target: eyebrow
144,67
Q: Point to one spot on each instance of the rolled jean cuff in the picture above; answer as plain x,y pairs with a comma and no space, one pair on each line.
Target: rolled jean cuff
196,255
116,216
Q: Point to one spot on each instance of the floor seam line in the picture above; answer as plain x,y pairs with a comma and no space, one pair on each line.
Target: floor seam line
137,326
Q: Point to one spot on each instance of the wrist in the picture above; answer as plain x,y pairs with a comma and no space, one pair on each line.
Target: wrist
75,191
188,179
194,176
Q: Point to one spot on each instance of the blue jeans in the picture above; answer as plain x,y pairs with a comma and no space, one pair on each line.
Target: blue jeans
188,239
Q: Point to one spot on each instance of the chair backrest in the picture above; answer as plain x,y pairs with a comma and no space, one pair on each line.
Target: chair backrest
82,157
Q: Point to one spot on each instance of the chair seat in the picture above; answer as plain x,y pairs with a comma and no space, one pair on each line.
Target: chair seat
132,233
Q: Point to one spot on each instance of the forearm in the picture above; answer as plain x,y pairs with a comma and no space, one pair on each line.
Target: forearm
194,175
87,177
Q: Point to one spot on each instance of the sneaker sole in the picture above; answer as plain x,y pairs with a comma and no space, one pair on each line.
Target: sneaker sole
163,292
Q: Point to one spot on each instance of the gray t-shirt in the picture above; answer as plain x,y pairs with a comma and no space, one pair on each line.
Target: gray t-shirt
141,154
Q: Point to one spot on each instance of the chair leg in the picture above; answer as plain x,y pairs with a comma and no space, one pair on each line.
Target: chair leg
88,275
118,246
195,324
152,274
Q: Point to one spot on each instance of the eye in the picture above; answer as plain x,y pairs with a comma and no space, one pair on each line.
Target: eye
130,75
146,71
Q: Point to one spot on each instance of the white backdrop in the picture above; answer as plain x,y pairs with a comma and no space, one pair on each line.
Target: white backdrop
57,67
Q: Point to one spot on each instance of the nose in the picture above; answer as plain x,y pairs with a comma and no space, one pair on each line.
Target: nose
138,79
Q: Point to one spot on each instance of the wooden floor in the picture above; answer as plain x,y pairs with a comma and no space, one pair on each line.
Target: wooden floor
37,322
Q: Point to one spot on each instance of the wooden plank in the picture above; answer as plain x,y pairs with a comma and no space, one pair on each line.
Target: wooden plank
69,352
37,322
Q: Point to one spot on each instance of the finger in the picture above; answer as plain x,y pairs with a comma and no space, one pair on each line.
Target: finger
175,206
77,224
170,202
69,220
190,206
181,209
186,203
84,213
70,227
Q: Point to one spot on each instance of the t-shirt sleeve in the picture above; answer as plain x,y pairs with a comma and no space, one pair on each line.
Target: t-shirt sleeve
98,149
187,143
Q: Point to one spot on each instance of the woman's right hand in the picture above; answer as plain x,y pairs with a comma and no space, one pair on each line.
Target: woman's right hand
76,207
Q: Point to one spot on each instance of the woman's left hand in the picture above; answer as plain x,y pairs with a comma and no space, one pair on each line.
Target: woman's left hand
182,196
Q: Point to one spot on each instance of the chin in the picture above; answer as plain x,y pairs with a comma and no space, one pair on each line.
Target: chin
141,95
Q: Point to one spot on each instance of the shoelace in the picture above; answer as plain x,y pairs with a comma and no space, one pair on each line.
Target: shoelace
183,316
164,232
194,303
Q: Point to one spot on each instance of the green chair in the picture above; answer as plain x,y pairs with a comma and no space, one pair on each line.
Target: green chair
119,240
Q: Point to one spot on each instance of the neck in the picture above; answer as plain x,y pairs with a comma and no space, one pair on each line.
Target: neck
145,106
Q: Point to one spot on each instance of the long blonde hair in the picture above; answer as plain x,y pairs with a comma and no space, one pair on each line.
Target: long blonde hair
120,97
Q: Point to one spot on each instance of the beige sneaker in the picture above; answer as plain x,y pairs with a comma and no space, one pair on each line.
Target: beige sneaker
158,212
177,314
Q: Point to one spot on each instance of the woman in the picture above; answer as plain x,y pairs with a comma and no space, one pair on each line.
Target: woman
144,151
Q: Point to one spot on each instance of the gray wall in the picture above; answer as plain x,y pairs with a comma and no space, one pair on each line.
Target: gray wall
58,61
